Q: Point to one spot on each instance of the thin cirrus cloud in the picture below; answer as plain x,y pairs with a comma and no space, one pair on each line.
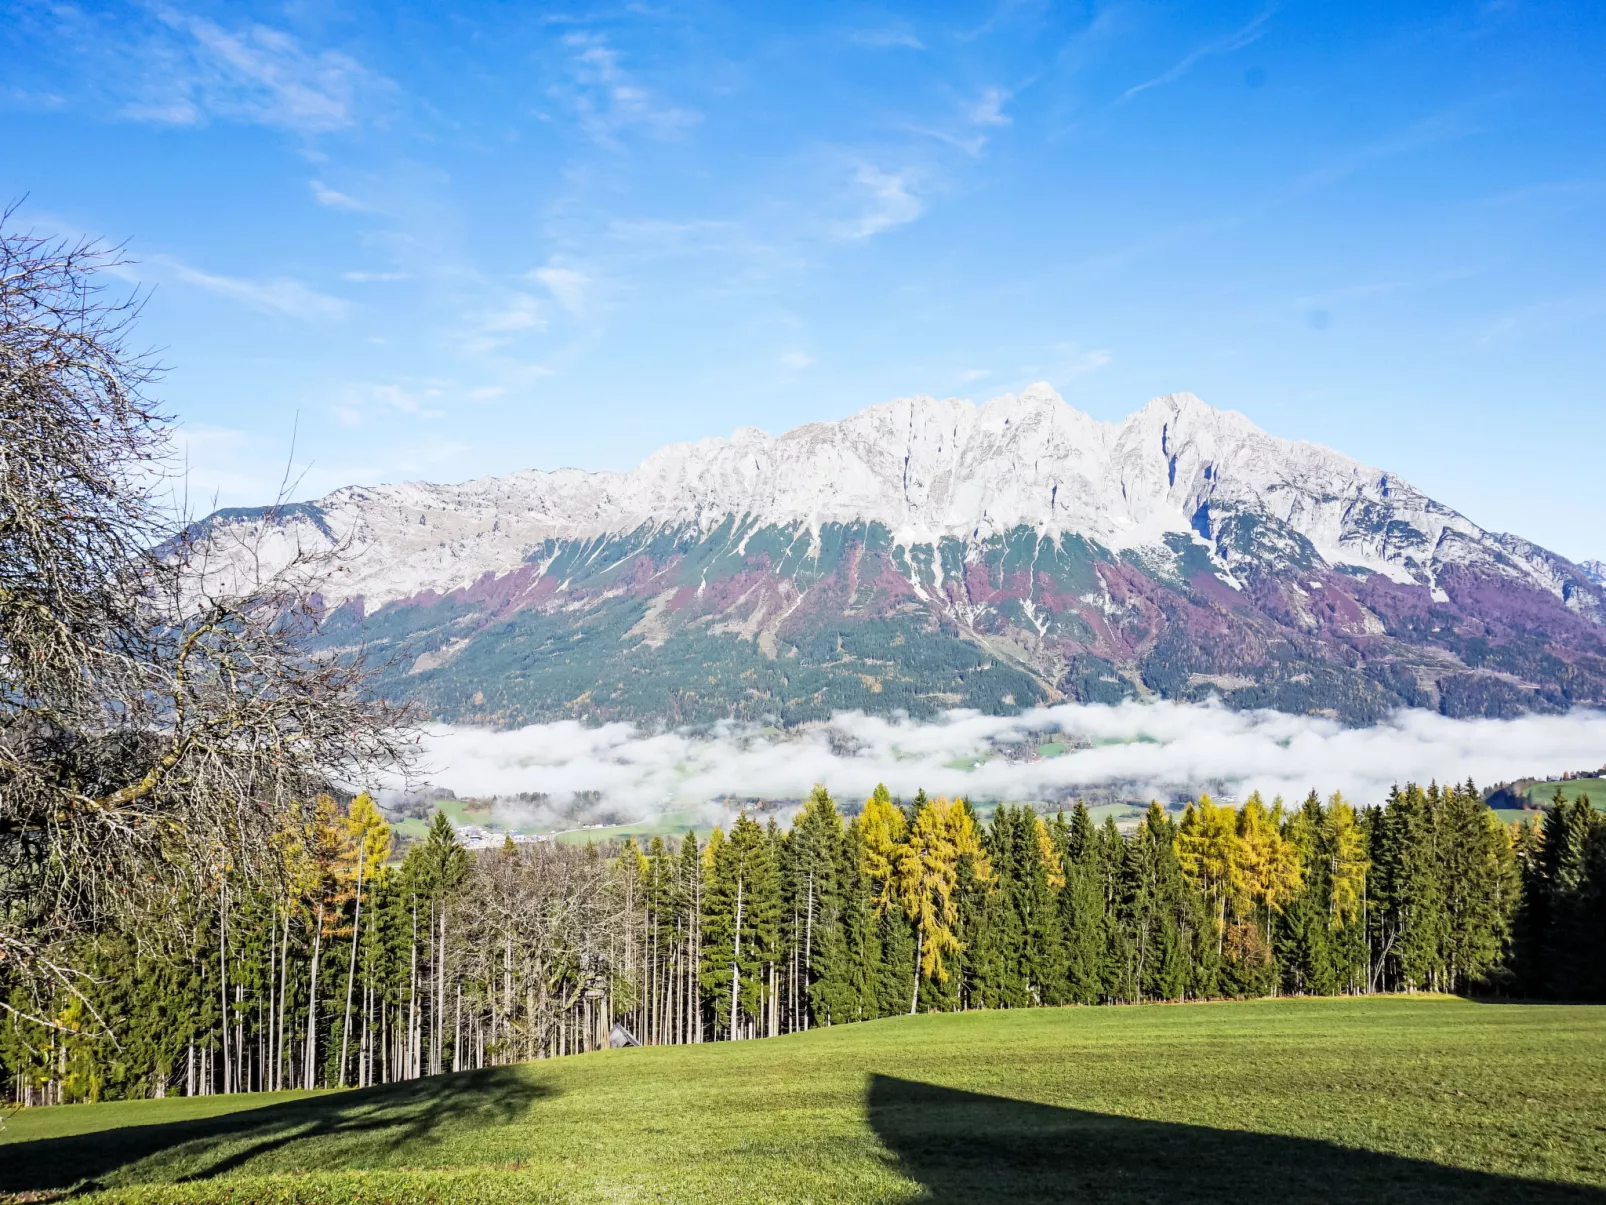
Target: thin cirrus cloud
607,101
278,296
886,39
331,198
989,109
886,202
511,318
1236,40
189,70
420,402
1140,750
569,287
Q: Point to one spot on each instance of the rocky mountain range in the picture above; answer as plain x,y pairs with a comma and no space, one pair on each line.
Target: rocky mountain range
928,554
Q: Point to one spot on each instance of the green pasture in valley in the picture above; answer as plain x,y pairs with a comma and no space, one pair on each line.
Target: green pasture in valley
1392,1099
1542,793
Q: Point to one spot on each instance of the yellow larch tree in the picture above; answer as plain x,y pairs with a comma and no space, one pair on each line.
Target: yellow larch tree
1207,848
925,873
1346,845
1269,863
1053,868
882,827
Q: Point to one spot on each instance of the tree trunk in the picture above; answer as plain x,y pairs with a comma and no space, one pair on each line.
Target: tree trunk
351,973
440,995
808,956
736,955
411,1069
310,1071
223,977
920,945
284,985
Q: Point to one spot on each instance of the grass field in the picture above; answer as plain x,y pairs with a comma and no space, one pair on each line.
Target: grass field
1422,1099
1542,793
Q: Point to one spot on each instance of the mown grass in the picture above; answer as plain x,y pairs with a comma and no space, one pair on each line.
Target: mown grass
1424,1099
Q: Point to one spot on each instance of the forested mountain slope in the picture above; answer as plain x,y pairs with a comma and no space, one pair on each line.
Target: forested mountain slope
926,554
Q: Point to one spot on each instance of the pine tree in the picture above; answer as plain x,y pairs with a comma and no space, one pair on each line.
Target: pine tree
1084,912
1305,938
817,838
851,957
740,918
1567,892
1475,864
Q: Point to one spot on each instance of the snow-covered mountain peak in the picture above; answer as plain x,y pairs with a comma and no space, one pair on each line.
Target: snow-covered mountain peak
927,469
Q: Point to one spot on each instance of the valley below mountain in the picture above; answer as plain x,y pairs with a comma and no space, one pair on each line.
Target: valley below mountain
927,555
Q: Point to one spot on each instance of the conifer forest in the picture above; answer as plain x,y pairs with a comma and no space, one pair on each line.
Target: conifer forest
347,966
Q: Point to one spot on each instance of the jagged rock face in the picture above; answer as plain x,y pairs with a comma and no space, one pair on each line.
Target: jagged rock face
927,554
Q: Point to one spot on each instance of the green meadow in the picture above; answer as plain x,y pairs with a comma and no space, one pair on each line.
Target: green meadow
1542,793
1397,1098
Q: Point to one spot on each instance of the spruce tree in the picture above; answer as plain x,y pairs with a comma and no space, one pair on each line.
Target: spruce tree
816,841
1084,912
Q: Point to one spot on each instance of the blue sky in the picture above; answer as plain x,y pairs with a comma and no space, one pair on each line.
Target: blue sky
441,241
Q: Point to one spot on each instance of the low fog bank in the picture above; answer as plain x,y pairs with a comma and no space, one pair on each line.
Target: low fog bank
560,774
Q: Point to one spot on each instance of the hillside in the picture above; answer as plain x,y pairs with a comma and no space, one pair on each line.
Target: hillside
1409,1099
928,554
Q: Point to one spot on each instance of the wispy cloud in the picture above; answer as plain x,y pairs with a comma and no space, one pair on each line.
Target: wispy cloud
192,69
510,318
569,287
1157,750
1434,129
1235,40
884,200
1069,360
989,109
796,361
420,402
289,298
607,100
886,38
1546,315
331,199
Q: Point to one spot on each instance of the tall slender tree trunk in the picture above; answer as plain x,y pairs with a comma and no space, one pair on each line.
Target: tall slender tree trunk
440,994
284,986
265,1029
736,957
808,956
223,976
920,945
351,973
697,958
428,1063
411,1069
310,1070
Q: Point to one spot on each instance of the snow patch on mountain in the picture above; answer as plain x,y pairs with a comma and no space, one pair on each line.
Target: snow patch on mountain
925,468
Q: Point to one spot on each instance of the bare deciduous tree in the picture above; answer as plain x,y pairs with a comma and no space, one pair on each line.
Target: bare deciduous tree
161,714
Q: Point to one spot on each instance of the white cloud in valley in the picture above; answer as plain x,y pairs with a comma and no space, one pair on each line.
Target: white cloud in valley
1142,750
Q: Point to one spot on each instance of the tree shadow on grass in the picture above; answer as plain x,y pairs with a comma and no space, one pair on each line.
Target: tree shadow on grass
966,1147
333,1130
